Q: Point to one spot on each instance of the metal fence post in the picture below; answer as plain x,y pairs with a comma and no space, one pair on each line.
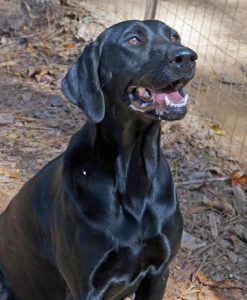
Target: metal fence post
151,8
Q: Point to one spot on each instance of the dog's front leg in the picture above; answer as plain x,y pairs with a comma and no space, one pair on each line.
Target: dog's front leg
83,297
69,297
152,287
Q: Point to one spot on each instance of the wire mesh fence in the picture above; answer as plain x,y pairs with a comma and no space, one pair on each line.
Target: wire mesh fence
217,31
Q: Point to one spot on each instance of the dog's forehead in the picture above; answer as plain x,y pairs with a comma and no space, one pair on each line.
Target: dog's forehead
144,27
158,27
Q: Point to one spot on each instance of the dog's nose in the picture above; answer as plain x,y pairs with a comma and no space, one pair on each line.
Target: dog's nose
181,56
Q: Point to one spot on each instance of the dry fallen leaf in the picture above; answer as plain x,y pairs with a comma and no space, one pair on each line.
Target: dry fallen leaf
237,178
202,277
195,210
222,284
8,63
218,204
70,46
42,72
207,294
234,239
12,136
33,70
15,174
213,225
6,118
191,243
240,196
29,48
218,130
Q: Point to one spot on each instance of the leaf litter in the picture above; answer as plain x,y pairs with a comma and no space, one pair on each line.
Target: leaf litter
38,41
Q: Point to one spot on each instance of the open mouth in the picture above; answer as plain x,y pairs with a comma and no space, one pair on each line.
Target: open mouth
169,103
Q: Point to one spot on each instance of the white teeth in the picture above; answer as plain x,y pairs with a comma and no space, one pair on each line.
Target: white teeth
181,104
146,94
186,99
135,108
141,91
177,105
167,101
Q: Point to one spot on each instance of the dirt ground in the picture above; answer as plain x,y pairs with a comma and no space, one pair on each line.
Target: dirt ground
37,44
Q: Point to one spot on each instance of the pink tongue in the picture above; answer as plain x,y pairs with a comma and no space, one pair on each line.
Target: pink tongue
173,96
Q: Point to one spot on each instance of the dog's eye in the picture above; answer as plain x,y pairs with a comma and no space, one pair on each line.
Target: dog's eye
174,38
134,41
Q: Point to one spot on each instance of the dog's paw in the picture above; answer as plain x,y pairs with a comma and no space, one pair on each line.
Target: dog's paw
132,297
4,296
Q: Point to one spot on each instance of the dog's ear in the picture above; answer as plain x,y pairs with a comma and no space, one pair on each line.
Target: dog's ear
81,84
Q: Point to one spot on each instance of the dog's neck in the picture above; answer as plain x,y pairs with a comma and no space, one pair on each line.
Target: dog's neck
136,140
126,150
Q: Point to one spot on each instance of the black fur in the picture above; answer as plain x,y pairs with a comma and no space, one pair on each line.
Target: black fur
5,290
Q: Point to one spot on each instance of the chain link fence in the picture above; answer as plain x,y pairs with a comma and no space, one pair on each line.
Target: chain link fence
217,31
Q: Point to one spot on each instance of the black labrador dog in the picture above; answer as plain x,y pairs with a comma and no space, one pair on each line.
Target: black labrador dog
101,221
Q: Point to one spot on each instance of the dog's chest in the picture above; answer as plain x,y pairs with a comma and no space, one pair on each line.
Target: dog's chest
124,266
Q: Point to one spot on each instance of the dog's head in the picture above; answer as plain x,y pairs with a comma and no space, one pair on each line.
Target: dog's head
139,63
